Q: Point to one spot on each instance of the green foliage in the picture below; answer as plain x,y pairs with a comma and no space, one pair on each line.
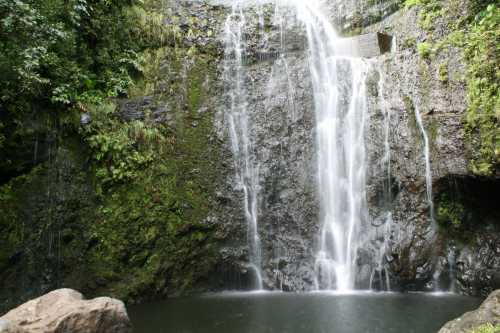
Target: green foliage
424,50
64,54
409,43
131,215
483,90
411,3
65,51
150,228
442,72
486,328
120,149
476,33
429,11
450,212
122,211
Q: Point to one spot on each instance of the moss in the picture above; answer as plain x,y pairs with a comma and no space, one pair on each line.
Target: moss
475,32
150,237
411,3
429,13
45,218
409,43
128,199
486,328
450,213
410,112
442,72
465,207
354,25
424,50
483,93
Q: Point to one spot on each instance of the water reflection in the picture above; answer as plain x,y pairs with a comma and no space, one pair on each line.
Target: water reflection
263,312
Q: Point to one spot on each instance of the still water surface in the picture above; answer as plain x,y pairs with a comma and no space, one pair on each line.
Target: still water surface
301,313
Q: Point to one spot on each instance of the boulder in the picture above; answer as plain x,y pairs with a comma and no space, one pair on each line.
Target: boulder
8,327
65,310
488,312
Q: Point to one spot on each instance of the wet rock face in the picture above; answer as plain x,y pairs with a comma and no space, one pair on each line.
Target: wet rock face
426,254
467,209
351,16
487,314
420,254
281,120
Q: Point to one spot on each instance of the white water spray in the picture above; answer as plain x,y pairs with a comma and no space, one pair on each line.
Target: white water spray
340,105
339,89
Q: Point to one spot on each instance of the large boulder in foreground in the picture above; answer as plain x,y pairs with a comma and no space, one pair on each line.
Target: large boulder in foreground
488,312
9,327
65,310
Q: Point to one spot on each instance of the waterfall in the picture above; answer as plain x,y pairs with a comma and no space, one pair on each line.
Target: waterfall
428,170
451,258
384,226
340,103
245,164
428,187
340,106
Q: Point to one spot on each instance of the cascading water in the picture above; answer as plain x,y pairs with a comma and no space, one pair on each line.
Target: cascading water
339,91
428,170
428,187
384,223
246,166
340,105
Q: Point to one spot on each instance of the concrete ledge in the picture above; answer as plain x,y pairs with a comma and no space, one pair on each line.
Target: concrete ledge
365,46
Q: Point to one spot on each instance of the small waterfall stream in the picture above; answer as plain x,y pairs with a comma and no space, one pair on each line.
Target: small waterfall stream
428,170
247,169
385,222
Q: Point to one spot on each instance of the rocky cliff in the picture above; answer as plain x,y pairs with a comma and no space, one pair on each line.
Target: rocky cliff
454,249
176,223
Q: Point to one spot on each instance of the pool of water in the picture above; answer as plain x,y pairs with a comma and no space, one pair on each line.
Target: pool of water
320,312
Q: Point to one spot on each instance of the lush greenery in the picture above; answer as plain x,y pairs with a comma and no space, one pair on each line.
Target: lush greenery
115,203
65,52
450,211
61,55
482,121
477,34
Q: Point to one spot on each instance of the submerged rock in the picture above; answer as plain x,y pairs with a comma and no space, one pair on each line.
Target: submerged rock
65,310
488,313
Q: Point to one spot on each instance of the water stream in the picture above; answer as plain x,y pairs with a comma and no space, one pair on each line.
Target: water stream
428,170
340,103
340,106
379,278
245,164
